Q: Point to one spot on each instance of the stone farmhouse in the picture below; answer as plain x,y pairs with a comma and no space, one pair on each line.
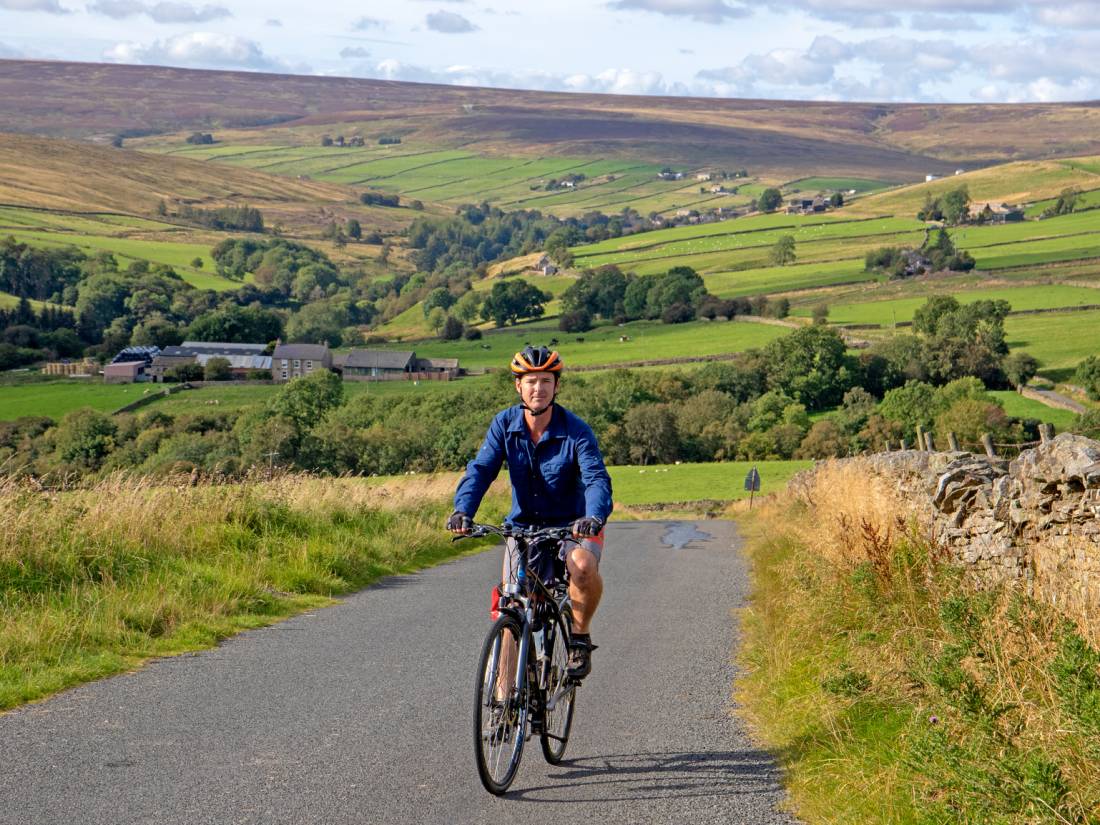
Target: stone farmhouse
290,361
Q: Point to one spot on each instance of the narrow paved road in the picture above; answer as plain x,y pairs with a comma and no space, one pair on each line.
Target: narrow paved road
360,713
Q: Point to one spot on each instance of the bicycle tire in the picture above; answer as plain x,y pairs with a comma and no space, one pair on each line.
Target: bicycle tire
509,730
557,723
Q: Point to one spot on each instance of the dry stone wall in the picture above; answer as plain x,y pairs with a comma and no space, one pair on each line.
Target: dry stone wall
1034,520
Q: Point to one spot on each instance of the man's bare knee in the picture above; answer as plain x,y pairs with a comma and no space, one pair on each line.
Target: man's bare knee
583,567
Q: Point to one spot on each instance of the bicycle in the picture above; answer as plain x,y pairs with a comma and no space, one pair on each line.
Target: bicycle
518,694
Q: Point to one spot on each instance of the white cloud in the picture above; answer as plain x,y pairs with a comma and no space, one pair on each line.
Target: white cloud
704,11
354,52
274,22
365,23
943,22
1083,14
48,6
166,11
448,22
201,49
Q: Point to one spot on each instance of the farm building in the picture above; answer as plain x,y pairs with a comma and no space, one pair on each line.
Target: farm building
145,354
125,372
297,360
242,358
390,365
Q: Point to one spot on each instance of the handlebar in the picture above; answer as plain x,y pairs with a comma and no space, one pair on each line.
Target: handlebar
529,534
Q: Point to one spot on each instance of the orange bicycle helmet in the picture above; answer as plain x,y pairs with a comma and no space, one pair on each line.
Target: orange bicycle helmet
535,359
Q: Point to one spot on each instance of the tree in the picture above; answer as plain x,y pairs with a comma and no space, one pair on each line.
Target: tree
769,200
156,331
217,369
512,299
184,372
439,297
85,438
810,365
651,430
782,253
820,314
913,404
579,320
1088,376
237,325
824,440
927,316
353,229
452,329
599,291
197,262
436,319
320,322
1019,368
955,205
970,419
306,400
466,308
1066,203
836,200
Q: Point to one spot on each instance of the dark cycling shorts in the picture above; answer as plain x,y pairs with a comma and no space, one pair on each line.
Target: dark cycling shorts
548,559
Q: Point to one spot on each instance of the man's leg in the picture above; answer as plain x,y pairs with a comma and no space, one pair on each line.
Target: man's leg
585,585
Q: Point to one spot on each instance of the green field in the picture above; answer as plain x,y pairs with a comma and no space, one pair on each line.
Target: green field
456,176
1019,407
54,399
1059,340
674,483
649,340
898,310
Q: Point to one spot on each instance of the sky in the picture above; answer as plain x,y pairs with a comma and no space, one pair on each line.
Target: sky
866,50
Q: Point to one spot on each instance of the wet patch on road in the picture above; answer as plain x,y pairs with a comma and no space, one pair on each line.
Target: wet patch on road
679,535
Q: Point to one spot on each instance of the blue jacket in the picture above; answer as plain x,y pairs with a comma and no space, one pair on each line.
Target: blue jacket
554,482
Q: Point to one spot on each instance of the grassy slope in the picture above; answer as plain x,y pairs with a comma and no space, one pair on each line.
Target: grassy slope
54,399
178,568
648,341
1060,341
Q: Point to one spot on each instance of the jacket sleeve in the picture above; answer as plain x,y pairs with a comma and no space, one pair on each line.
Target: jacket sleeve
482,470
597,483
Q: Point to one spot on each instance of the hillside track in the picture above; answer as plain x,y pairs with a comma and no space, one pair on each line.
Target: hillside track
360,713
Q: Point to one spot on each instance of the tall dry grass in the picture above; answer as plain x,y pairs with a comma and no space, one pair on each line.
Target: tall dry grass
892,688
93,581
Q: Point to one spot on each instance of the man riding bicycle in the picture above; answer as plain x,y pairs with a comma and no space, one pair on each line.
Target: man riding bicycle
558,479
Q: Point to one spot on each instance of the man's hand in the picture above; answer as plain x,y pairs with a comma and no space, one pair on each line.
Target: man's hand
459,523
587,527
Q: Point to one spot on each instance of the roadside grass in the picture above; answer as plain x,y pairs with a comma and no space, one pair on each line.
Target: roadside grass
680,483
95,582
892,690
648,340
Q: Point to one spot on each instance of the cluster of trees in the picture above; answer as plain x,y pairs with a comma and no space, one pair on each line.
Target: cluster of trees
380,199
200,138
937,254
241,218
952,207
609,294
1066,203
40,274
769,200
27,335
354,140
291,269
388,140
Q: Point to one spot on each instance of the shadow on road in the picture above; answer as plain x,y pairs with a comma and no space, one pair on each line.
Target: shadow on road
634,776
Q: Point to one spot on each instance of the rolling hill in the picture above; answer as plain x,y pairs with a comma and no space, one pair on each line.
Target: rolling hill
787,139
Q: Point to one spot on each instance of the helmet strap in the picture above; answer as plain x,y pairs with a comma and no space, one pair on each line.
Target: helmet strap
537,413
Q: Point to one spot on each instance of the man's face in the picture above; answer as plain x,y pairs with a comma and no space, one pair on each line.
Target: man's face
537,389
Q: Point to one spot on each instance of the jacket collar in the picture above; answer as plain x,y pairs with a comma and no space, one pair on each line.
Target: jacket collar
516,424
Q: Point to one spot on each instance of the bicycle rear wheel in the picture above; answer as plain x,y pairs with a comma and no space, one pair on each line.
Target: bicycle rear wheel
500,707
560,692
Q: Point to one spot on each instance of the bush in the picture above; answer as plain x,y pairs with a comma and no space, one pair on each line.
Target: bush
678,314
452,329
217,369
184,372
577,321
472,334
1088,376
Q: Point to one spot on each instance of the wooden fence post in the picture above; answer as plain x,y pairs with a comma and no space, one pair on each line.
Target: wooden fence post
953,442
987,442
930,445
904,446
920,437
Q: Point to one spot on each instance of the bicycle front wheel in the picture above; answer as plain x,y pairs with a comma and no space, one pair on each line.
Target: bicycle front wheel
560,694
500,707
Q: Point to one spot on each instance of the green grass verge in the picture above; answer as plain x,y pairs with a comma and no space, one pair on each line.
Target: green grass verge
96,582
676,483
895,693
